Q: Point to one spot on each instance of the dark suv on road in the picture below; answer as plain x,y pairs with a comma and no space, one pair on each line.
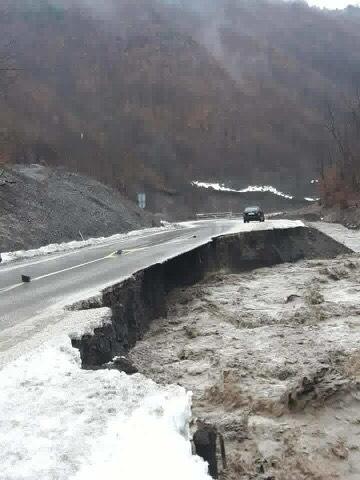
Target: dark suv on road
253,214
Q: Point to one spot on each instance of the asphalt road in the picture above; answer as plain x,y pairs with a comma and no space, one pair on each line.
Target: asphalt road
61,279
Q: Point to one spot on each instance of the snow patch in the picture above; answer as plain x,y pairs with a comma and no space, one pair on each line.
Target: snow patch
84,322
267,188
250,188
58,421
274,214
153,444
310,199
76,245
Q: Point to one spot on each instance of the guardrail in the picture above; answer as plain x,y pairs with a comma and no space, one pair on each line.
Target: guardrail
200,216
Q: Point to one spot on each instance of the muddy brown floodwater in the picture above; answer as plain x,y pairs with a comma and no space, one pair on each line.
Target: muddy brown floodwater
272,357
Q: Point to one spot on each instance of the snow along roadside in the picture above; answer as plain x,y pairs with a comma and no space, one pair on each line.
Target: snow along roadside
78,244
59,421
251,188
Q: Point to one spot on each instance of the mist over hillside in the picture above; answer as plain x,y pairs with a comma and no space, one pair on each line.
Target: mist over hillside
154,94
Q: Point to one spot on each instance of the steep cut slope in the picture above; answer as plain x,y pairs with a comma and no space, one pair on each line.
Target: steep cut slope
39,205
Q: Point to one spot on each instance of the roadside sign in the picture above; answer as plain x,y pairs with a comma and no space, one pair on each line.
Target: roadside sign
141,200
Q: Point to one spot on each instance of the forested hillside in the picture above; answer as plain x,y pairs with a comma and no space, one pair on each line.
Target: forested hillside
156,93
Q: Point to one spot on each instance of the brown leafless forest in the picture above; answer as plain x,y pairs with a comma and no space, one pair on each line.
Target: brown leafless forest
156,93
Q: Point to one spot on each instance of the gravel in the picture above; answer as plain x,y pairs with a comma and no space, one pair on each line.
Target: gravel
39,205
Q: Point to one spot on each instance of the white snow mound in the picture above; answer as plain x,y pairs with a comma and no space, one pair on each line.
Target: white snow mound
58,421
84,322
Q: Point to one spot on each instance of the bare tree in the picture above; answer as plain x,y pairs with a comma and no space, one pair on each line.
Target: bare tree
341,180
8,73
8,69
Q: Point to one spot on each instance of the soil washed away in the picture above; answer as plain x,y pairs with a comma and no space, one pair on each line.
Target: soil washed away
272,357
142,298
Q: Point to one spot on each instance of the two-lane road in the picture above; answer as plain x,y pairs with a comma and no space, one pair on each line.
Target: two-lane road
61,279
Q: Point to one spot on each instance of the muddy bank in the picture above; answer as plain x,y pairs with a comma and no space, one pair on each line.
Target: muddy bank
136,302
349,217
272,357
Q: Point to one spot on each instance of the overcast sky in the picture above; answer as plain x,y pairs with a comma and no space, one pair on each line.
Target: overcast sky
332,3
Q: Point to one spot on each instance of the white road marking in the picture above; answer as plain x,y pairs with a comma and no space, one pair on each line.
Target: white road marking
8,289
71,268
12,287
49,258
111,255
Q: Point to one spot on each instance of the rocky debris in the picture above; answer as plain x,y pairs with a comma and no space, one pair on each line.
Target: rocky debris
316,388
123,364
314,296
292,298
191,331
44,205
87,304
351,264
334,273
340,450
6,178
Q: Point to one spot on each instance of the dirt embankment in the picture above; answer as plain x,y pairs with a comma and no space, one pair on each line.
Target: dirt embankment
349,217
272,357
39,205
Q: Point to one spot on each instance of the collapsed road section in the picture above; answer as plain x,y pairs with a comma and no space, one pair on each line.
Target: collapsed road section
137,301
194,341
61,420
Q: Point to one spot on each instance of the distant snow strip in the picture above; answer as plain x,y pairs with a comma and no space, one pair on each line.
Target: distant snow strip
250,188
310,199
59,421
76,245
